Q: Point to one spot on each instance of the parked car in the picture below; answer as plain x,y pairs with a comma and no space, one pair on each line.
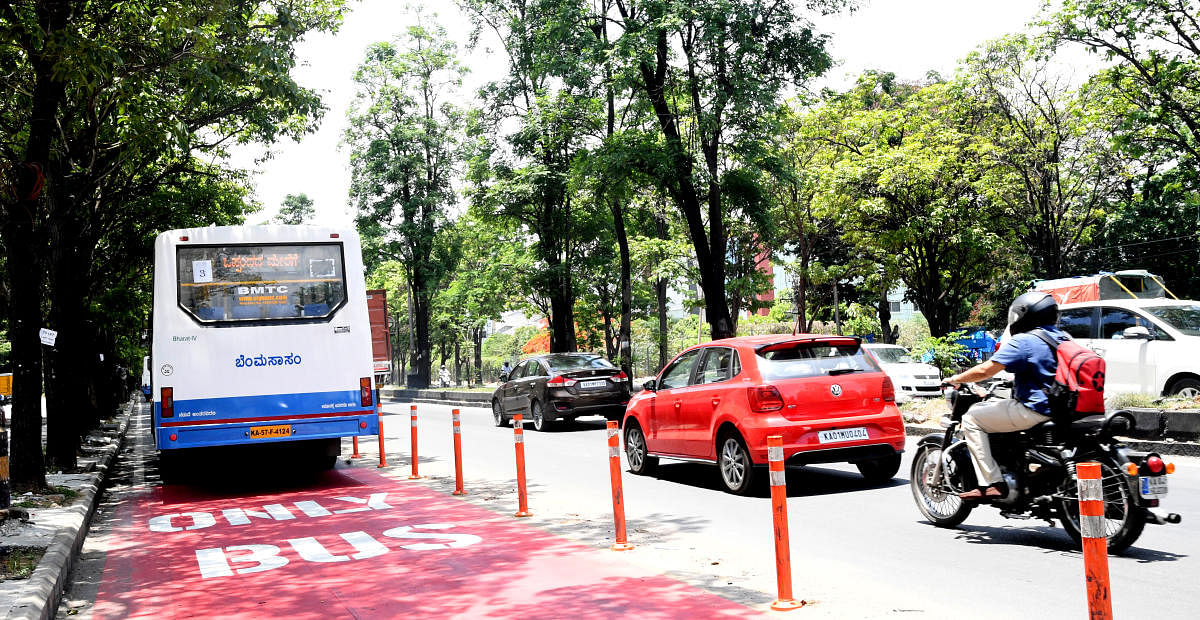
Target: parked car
561,386
910,376
719,401
1149,345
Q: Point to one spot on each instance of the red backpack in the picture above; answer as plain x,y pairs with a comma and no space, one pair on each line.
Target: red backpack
1078,388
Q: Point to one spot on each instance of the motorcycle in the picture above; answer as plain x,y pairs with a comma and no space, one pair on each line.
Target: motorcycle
1038,465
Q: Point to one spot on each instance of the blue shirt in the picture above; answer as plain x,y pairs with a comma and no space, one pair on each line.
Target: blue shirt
1033,364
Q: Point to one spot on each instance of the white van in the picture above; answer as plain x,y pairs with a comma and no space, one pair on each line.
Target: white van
1149,345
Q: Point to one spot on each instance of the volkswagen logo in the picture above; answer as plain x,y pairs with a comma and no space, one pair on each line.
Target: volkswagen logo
835,389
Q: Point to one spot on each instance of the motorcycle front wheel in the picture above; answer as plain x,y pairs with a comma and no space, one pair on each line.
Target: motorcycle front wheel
1124,520
941,505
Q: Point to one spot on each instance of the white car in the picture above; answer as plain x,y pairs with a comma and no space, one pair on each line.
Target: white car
909,376
1149,345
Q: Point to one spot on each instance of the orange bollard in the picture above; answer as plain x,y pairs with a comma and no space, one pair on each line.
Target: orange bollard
458,483
356,455
412,412
783,548
1095,541
519,447
382,454
614,472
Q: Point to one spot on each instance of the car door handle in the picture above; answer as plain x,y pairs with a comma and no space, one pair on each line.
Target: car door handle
716,401
1099,351
678,404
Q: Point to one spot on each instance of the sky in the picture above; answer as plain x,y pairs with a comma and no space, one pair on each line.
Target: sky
906,37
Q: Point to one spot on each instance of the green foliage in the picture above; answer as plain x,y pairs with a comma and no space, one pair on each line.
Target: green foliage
913,332
947,354
5,351
296,209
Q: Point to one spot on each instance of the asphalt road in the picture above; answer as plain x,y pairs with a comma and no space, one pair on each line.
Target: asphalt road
858,551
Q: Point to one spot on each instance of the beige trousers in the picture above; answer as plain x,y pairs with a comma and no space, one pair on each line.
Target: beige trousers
996,416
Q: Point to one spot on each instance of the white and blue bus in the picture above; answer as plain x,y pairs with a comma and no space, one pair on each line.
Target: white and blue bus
260,336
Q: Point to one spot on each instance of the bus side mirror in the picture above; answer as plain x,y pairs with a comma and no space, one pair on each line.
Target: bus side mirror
650,385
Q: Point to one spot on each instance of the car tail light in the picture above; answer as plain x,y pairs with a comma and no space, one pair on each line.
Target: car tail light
364,391
764,398
560,381
167,402
620,376
889,390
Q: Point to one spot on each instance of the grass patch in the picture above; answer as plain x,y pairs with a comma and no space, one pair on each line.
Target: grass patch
924,410
1170,403
19,562
66,492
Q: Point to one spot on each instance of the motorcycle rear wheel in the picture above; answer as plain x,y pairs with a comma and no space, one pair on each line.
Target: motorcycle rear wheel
942,506
1124,520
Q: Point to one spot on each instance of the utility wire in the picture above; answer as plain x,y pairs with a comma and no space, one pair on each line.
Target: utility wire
1127,245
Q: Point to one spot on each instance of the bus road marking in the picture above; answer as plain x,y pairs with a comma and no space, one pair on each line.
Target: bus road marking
218,561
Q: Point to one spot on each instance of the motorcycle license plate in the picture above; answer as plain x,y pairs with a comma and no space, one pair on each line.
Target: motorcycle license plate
843,434
1153,486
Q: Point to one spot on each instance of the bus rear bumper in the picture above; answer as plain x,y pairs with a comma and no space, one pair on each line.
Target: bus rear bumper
274,431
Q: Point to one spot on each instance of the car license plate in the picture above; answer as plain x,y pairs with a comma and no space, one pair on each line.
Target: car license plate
588,385
843,434
267,432
1153,486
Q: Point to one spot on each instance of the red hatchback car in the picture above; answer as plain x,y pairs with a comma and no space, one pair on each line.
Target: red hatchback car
719,401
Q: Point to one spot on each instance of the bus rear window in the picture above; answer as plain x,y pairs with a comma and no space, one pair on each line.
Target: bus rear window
261,282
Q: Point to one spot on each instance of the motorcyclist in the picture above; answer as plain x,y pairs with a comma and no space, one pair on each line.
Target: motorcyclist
1033,364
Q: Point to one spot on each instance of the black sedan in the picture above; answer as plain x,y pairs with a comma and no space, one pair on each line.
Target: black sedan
561,386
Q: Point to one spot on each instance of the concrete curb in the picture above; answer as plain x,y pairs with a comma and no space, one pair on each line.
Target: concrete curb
44,590
1175,448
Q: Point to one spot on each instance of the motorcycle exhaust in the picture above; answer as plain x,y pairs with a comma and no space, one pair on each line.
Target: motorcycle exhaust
1172,518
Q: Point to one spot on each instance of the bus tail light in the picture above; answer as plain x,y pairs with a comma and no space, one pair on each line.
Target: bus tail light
364,391
167,400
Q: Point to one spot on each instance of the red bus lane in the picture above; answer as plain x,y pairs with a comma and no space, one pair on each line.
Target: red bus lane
360,545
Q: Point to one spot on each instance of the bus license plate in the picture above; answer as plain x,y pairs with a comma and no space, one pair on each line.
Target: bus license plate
588,385
267,432
1154,486
843,434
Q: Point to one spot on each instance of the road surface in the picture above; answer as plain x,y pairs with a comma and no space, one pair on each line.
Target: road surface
369,542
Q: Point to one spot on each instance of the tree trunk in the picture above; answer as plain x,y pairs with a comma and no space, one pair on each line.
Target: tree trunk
457,368
477,338
21,233
422,349
885,315
562,316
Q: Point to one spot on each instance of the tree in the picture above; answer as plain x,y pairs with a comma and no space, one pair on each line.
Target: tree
910,182
713,72
296,209
135,94
1155,45
1057,172
406,139
524,174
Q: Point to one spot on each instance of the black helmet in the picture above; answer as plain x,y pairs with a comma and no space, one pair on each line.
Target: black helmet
1031,310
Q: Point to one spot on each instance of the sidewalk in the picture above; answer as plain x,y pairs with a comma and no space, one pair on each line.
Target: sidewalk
56,524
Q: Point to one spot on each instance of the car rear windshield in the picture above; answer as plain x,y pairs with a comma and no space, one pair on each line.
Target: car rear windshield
1184,318
237,283
812,359
567,363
